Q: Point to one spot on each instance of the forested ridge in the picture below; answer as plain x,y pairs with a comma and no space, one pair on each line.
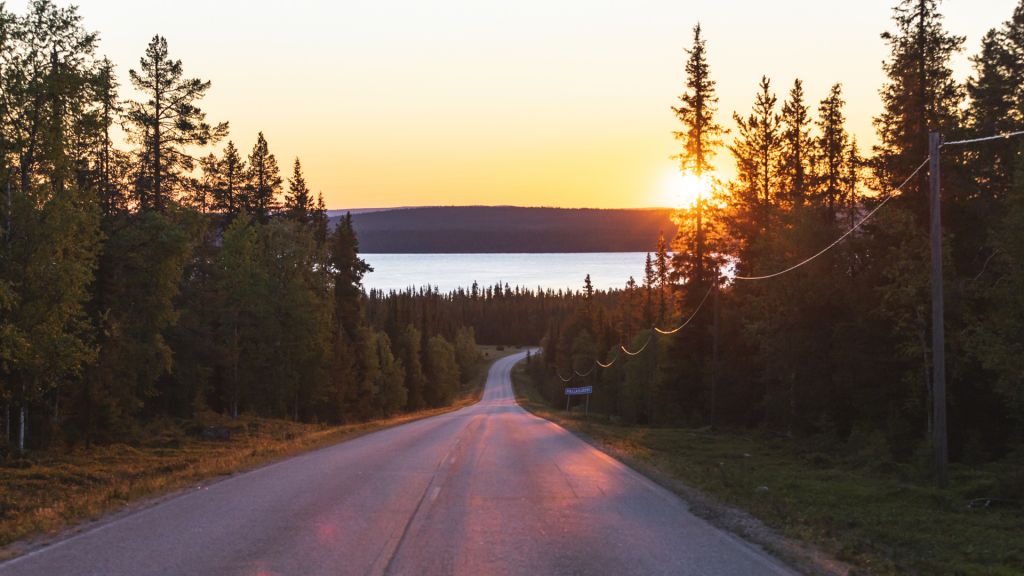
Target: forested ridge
174,274
747,320
510,229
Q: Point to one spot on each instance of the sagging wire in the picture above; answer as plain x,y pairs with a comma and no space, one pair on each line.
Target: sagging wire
845,235
683,325
588,373
1002,136
642,348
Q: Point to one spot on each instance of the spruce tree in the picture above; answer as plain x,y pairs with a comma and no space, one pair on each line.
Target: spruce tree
650,281
410,353
996,106
700,137
757,150
242,290
347,271
229,187
664,283
831,151
298,203
920,96
112,195
263,181
796,145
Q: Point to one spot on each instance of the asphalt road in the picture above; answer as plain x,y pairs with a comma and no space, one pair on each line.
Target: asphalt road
489,489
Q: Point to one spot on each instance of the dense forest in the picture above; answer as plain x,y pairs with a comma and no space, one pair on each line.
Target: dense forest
509,229
168,273
838,349
159,278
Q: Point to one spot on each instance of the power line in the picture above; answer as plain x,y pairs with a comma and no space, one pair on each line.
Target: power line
683,325
646,342
642,348
588,373
1003,136
844,236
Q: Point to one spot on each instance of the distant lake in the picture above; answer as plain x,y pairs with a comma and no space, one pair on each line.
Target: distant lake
451,271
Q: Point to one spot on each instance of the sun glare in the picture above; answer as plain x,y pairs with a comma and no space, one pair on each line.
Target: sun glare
682,189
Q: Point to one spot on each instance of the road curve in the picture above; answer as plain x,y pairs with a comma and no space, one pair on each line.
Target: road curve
489,489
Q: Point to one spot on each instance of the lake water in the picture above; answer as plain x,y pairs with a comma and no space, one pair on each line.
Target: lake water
451,271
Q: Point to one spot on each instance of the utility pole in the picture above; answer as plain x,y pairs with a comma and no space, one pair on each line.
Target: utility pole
714,352
939,439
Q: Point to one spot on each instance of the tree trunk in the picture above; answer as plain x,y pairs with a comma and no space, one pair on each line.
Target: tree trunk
157,192
21,427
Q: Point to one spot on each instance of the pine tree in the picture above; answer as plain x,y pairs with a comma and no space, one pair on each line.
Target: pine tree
264,181
167,124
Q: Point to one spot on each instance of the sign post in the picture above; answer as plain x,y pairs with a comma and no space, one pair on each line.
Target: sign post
579,391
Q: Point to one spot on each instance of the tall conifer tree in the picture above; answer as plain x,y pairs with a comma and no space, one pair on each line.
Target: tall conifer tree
167,124
264,180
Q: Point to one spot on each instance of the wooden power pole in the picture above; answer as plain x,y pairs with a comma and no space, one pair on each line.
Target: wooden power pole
714,352
939,438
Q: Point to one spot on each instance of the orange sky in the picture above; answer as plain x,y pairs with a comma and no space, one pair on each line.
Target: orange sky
533,102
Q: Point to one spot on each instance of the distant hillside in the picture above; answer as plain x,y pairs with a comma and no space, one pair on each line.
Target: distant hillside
495,229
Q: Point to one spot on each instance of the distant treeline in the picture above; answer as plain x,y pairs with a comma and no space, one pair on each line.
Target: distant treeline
487,229
499,314
837,352
146,282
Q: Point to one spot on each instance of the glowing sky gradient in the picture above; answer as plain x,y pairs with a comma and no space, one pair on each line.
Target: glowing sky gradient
531,102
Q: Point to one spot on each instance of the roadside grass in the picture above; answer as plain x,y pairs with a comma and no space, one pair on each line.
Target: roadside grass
879,519
49,491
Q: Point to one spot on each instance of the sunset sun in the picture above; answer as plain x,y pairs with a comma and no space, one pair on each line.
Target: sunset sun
682,189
